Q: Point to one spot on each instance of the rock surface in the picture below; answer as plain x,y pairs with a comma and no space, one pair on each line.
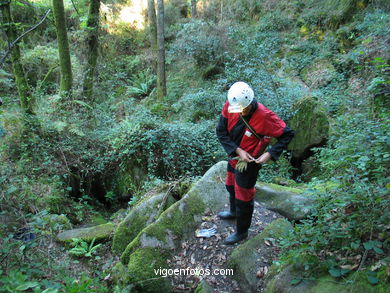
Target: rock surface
245,260
311,126
287,201
151,248
144,213
100,232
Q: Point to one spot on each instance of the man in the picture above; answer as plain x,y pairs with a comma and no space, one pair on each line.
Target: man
244,130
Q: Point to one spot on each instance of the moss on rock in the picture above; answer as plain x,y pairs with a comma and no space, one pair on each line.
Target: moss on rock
311,126
244,259
174,223
146,267
138,218
100,233
287,201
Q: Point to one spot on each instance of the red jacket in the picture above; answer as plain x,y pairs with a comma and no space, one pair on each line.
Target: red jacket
232,131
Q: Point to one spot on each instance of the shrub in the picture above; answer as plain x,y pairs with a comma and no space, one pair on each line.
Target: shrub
204,42
167,150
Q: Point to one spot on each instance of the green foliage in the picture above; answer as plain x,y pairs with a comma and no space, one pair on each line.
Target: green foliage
159,146
82,248
41,64
203,105
142,84
358,149
204,42
6,83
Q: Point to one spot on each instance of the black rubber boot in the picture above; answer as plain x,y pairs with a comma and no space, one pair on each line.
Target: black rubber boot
228,215
244,218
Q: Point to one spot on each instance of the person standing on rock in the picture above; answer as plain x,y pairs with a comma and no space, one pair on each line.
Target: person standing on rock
245,129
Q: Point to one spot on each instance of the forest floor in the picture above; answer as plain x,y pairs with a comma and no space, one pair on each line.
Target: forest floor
211,254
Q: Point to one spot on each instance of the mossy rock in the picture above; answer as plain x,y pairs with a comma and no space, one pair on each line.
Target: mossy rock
100,233
287,201
143,214
144,275
244,259
162,238
178,220
311,126
280,282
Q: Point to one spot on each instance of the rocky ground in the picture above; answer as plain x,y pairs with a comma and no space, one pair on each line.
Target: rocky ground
209,254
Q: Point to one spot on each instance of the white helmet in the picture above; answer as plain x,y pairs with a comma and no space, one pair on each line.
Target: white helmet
240,95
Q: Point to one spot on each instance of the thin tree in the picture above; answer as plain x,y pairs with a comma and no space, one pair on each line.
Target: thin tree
26,99
193,9
63,47
93,47
161,80
152,24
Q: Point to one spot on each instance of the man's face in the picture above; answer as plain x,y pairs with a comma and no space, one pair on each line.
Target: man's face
246,110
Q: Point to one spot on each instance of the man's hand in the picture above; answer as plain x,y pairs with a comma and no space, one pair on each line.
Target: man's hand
244,155
264,158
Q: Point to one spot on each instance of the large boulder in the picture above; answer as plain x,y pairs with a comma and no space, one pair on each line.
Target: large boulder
311,126
245,259
99,233
287,201
143,214
148,252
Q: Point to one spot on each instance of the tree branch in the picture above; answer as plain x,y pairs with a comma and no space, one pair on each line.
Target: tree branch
11,45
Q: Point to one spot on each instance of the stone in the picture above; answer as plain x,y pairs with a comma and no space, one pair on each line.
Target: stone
100,233
291,203
159,240
245,258
142,214
311,126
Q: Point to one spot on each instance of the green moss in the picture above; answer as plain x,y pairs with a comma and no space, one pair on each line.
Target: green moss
141,215
276,229
311,115
119,273
281,188
127,231
143,268
177,219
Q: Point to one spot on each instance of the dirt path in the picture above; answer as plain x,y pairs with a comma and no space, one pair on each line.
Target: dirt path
209,254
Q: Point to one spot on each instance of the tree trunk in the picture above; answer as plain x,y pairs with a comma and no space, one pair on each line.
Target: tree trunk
152,24
161,80
63,47
193,9
26,99
93,47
